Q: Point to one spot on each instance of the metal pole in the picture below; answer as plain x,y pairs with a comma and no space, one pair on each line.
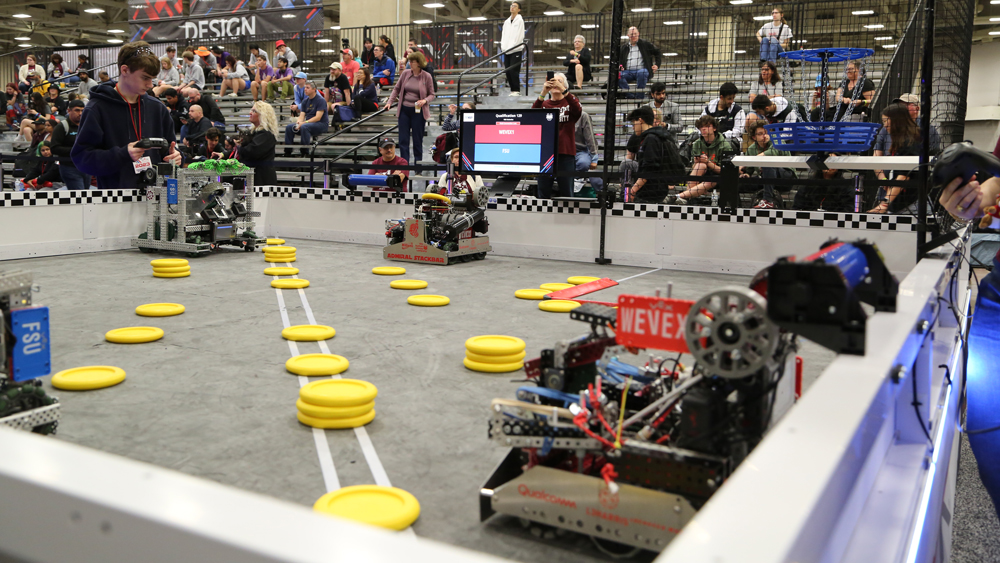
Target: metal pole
926,76
617,13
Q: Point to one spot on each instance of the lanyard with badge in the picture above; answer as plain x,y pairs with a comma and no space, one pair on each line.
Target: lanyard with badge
144,162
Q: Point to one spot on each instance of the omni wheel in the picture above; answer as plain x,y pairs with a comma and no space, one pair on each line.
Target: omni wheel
729,334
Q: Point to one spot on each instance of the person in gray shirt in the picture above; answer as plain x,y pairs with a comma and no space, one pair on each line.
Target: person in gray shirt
671,112
586,157
282,51
194,76
85,86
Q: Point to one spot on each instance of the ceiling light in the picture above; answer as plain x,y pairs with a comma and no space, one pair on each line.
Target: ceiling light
991,33
607,56
307,61
324,40
739,52
994,1
590,26
554,13
761,18
334,27
21,16
800,40
476,18
434,5
94,11
738,2
561,58
874,26
884,38
22,39
553,40
115,41
421,22
669,54
69,44
642,9
995,19
677,22
894,46
116,31
700,34
288,16
327,51
536,50
624,36
24,45
863,13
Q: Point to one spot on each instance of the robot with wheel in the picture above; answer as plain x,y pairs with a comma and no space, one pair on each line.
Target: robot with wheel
443,230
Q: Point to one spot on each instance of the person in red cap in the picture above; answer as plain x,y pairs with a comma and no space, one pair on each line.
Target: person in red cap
282,50
348,65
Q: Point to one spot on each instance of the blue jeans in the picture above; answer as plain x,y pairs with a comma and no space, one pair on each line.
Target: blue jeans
72,79
983,384
307,130
565,164
770,47
411,123
583,161
638,76
73,178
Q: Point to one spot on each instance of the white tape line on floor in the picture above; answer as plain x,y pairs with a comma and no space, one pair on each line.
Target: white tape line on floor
637,275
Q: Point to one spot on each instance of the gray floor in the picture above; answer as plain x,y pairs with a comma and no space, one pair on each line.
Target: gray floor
212,397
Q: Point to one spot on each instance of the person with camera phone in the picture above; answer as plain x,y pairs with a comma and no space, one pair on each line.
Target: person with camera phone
118,117
256,146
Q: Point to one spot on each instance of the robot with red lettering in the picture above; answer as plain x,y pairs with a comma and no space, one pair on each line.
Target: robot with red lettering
444,229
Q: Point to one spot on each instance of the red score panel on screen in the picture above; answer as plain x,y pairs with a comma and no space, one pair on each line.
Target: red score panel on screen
509,133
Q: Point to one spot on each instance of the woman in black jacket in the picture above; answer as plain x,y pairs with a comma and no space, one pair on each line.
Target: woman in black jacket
257,149
578,62
365,96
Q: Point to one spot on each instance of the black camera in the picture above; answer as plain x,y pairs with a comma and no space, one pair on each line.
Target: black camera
346,43
153,143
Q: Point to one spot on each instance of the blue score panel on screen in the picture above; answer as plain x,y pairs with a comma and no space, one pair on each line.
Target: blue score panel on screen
521,141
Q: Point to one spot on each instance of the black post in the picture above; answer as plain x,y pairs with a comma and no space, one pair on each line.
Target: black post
926,76
617,14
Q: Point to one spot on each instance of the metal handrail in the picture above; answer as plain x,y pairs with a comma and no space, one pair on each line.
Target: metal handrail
458,87
355,148
321,140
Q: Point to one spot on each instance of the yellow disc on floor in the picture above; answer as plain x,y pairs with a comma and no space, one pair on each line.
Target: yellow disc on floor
492,368
287,258
407,284
168,262
282,250
389,271
275,241
308,333
89,377
484,359
556,286
494,345
531,293
558,305
290,283
428,300
173,275
317,364
386,507
336,423
280,271
171,269
317,411
159,309
577,280
134,335
338,392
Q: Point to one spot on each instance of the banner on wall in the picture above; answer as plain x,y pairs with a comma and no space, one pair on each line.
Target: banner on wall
217,7
288,4
154,10
438,43
292,23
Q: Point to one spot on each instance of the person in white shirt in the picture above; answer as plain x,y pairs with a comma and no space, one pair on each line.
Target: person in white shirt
235,77
282,50
774,36
771,110
510,43
456,184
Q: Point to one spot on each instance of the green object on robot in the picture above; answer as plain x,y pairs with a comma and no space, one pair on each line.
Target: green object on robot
220,166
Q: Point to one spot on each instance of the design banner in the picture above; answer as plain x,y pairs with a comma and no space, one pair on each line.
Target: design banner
230,26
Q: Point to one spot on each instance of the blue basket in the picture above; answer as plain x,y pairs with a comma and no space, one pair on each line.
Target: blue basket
823,136
832,54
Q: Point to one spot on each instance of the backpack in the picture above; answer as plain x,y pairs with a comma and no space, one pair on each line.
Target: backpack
443,145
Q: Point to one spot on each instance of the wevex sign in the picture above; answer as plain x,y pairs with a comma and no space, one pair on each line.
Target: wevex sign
652,322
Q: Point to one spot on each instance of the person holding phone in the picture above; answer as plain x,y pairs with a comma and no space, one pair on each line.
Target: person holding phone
556,86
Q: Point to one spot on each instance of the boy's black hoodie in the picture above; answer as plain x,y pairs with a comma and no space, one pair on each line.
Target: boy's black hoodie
101,147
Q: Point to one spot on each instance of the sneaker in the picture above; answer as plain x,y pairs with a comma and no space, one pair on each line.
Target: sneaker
764,204
676,200
515,94
233,95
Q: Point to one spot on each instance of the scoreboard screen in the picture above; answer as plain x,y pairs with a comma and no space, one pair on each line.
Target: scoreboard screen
522,140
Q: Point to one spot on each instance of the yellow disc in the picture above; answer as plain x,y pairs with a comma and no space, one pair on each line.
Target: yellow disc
159,309
308,333
484,359
494,345
492,368
428,300
168,262
317,364
531,293
317,411
556,286
286,258
438,197
89,377
275,241
407,284
174,275
290,283
171,269
577,280
280,271
336,423
134,335
386,507
558,306
389,271
279,250
338,392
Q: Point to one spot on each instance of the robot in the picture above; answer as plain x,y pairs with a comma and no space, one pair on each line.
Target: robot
443,230
25,355
198,210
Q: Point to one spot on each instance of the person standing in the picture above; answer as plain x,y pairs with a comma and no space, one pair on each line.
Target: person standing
656,156
414,91
569,113
511,40
63,139
256,150
774,36
120,115
579,62
640,59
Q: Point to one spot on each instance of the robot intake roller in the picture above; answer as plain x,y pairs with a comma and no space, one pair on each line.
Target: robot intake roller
465,221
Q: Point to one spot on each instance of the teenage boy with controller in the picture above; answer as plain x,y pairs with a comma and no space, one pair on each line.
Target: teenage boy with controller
118,117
